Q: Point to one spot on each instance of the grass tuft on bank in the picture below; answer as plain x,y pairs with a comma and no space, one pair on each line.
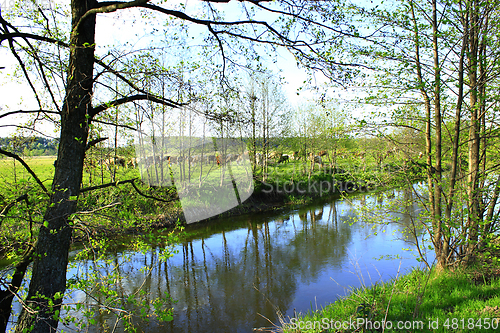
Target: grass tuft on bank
421,301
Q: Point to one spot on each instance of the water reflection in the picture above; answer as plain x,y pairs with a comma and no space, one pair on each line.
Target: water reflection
242,271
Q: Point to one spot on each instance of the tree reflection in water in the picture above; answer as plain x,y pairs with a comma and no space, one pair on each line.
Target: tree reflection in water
242,271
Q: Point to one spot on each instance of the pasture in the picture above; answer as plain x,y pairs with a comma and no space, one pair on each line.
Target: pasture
99,168
13,173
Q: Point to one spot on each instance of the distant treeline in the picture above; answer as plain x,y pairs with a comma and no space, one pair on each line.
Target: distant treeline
30,146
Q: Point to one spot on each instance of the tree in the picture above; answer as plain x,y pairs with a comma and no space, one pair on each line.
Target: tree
264,112
439,54
69,62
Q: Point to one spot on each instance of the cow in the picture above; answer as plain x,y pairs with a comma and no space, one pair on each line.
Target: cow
120,161
242,157
284,158
117,160
231,158
132,162
315,159
323,153
211,159
275,155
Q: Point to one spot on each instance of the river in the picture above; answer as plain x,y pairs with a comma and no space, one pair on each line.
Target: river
247,272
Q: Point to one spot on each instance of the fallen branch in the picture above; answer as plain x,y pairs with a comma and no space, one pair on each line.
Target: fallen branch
152,197
98,209
97,187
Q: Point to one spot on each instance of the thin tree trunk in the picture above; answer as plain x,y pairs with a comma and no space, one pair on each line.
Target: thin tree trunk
7,296
456,133
483,137
441,255
474,138
428,141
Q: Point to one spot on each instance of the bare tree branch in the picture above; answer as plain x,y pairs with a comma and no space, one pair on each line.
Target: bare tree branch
24,35
92,143
113,124
29,129
6,209
150,196
97,187
145,97
40,63
6,114
131,181
107,8
26,166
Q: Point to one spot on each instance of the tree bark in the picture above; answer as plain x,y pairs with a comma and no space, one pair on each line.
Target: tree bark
474,138
428,134
455,140
48,281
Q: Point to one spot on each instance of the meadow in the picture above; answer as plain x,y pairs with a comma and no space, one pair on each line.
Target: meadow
13,173
112,209
111,203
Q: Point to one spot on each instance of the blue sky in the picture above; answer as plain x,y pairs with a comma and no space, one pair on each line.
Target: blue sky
123,26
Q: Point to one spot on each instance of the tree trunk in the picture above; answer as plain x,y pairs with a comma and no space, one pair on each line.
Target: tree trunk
48,281
7,296
456,132
441,255
474,140
483,79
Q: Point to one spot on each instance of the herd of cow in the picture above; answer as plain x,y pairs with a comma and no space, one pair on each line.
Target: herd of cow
219,159
277,157
207,159
215,159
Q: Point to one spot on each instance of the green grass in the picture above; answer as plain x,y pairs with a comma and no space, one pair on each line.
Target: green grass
115,209
460,301
126,208
20,226
13,173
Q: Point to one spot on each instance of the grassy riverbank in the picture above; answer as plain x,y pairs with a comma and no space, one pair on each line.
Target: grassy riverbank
421,301
120,209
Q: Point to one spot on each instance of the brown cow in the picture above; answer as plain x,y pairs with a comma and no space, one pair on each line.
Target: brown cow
275,155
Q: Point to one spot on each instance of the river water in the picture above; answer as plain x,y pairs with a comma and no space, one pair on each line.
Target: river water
249,271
